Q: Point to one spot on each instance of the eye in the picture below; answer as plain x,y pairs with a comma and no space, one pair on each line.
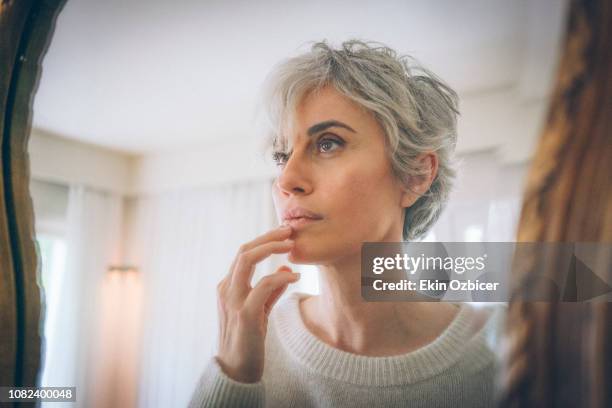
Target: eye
280,158
327,144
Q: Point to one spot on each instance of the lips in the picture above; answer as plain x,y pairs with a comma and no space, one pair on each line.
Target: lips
300,212
299,216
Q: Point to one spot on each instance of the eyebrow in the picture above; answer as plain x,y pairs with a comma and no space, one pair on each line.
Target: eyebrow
319,127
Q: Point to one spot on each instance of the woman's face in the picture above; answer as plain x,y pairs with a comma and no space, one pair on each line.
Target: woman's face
337,169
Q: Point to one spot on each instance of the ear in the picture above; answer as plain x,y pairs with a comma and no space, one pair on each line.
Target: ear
418,185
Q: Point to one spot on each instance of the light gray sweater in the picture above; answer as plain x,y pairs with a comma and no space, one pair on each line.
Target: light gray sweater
455,370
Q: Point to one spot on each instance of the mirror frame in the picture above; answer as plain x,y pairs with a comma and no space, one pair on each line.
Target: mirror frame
26,27
565,200
560,353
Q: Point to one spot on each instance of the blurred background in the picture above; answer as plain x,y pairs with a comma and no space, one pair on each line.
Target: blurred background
147,171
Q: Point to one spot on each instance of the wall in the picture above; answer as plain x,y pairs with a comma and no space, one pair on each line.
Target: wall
56,159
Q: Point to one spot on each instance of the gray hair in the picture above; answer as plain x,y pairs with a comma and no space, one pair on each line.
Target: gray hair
416,109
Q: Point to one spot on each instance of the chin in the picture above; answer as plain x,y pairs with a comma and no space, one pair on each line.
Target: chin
299,256
306,252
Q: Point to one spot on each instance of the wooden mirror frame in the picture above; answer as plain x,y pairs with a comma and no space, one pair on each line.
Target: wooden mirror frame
26,27
560,353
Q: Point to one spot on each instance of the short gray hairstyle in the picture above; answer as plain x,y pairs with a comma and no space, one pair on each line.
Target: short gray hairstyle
416,109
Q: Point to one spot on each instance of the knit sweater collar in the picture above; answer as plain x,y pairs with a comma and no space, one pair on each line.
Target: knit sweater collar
455,342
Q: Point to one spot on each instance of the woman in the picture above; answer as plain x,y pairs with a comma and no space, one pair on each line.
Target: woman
364,145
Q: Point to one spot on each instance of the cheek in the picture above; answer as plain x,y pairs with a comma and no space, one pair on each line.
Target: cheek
362,197
358,205
360,209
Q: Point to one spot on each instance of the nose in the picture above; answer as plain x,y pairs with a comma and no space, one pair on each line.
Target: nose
295,177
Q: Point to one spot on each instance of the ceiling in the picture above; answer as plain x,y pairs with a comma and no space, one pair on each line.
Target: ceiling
144,76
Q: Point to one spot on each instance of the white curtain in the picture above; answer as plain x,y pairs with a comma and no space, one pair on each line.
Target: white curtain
72,300
183,244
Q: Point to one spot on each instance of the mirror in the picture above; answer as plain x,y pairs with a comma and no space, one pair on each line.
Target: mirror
147,171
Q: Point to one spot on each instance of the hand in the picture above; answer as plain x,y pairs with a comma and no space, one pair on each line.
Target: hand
244,311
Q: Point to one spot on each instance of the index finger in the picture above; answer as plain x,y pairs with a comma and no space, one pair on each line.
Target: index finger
245,265
277,234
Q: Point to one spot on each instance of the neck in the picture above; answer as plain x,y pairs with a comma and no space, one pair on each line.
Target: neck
341,318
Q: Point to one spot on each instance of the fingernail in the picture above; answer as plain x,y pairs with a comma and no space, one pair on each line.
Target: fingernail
290,242
296,275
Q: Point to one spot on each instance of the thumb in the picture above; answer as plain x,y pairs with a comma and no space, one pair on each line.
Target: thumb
276,294
270,288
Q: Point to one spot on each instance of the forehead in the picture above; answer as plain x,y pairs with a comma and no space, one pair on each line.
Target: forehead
326,104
